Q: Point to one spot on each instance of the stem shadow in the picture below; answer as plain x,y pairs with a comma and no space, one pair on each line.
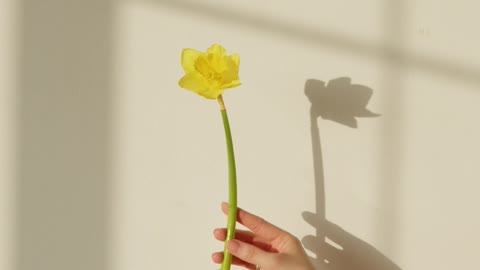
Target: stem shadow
342,102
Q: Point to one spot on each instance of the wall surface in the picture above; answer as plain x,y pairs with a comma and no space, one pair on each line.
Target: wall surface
7,131
357,122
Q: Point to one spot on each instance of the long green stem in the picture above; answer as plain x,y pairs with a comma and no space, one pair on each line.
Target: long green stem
232,188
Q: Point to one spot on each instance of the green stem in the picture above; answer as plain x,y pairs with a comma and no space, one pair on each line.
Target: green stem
232,188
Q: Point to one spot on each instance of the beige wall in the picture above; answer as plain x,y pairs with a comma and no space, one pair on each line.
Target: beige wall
7,131
142,167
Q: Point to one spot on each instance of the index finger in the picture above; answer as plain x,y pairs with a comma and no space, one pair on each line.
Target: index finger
257,224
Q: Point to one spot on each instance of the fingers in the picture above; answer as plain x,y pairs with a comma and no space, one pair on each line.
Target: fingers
217,257
251,254
247,237
258,225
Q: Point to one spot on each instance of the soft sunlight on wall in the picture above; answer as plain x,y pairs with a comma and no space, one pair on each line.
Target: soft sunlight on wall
356,123
382,181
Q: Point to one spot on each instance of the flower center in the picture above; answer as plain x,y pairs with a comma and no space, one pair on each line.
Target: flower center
210,67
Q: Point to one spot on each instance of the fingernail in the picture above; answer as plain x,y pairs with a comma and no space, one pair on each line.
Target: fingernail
233,246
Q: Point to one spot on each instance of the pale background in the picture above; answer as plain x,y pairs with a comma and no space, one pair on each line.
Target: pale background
106,164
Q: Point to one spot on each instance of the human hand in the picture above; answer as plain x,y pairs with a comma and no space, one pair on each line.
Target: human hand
265,245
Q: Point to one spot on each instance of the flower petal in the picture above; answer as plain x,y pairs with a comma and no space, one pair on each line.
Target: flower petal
232,84
189,57
212,93
236,60
194,82
217,50
230,75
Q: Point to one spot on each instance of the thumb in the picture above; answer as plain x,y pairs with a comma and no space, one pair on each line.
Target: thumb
251,254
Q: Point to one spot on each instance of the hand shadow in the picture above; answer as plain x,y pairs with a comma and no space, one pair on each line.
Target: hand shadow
353,254
342,102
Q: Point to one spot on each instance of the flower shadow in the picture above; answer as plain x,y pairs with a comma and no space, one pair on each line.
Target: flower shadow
342,102
339,100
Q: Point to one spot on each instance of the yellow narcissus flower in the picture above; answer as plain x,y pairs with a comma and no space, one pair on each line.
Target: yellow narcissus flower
209,74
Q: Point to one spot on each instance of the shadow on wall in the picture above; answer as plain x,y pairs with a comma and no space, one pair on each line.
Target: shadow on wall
342,102
63,136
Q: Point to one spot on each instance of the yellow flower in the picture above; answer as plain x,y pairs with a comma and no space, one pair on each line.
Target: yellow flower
209,74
